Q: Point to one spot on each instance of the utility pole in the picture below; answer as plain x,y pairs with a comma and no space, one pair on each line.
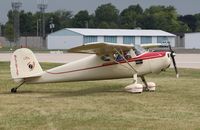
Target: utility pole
42,5
16,7
0,30
38,23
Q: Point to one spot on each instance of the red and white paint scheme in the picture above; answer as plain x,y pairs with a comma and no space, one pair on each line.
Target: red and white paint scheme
109,61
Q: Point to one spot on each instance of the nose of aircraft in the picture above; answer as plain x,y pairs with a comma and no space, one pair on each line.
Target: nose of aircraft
168,60
170,56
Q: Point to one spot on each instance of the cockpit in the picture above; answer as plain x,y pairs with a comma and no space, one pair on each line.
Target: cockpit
139,50
124,55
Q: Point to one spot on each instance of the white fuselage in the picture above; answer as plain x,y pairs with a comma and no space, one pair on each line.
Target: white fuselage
94,68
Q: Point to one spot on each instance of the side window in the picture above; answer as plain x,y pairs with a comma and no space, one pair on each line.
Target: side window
126,54
137,52
105,58
118,57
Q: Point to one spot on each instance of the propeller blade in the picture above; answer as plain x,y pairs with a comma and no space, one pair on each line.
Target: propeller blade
173,60
174,63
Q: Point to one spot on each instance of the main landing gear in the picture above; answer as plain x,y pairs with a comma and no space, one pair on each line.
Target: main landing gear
14,90
139,88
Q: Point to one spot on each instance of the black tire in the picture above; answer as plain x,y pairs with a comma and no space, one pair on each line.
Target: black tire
13,90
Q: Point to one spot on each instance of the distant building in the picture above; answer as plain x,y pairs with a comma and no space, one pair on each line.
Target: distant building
192,40
71,37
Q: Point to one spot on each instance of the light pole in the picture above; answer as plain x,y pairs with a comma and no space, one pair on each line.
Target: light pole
16,4
0,30
38,22
42,5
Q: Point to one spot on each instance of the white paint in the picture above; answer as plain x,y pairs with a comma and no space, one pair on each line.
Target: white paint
172,41
120,32
64,42
192,40
154,39
75,36
120,39
137,40
100,39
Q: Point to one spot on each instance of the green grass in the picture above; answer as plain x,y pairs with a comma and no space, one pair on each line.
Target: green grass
102,105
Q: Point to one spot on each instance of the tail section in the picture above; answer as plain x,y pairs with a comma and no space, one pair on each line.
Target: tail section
24,64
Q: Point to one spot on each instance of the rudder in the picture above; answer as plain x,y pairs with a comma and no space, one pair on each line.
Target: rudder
23,64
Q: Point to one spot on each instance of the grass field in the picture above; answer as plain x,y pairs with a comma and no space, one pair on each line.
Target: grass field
102,105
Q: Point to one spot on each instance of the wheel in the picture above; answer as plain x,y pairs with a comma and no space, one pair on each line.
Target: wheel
13,90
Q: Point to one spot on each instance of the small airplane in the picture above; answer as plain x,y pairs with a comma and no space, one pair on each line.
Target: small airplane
109,61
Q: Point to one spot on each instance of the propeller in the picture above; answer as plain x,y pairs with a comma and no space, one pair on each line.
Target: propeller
172,54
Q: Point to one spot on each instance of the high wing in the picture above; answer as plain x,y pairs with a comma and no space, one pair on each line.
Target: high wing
101,48
153,45
108,48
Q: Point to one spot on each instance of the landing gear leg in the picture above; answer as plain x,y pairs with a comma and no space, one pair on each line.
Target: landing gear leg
14,90
148,86
135,78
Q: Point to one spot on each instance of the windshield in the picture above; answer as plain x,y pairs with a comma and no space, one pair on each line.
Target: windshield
139,50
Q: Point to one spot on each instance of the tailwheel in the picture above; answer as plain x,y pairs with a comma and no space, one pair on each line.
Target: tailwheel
14,90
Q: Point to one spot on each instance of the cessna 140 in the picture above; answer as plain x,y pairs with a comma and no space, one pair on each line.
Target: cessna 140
109,61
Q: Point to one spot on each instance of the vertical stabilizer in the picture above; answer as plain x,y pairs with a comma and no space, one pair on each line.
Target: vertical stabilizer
23,64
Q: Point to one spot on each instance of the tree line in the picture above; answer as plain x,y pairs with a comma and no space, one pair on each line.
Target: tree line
106,16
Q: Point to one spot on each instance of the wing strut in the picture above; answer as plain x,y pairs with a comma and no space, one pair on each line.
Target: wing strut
125,60
132,68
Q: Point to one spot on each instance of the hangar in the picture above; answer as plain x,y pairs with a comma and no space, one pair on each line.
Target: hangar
71,37
192,40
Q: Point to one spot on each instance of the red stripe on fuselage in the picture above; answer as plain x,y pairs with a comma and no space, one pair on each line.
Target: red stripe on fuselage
145,56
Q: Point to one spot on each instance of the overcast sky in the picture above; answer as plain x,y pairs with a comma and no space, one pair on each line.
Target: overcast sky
183,6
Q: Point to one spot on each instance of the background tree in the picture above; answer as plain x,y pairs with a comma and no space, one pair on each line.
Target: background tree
106,16
190,20
129,17
161,17
197,25
81,19
9,30
61,19
27,23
